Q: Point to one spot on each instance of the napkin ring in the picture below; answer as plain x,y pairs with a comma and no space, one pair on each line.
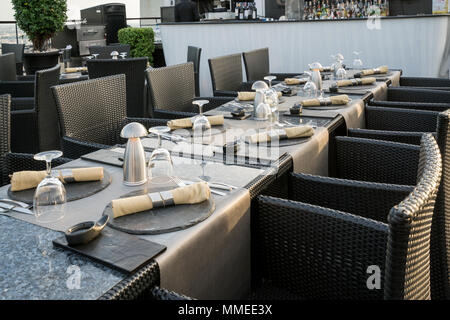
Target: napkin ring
66,175
356,82
278,134
161,199
324,101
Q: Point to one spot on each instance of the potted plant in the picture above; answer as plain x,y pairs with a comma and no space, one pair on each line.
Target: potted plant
141,41
40,20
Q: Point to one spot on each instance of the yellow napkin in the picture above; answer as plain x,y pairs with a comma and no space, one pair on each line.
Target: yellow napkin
293,81
187,123
75,69
23,180
335,100
292,133
368,72
250,95
195,193
364,81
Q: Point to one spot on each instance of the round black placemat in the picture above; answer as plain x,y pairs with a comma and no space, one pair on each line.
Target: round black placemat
161,220
280,143
74,191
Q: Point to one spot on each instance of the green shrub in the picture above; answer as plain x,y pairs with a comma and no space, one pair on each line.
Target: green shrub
40,19
141,41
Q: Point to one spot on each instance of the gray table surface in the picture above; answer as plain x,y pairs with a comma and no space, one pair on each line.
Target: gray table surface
209,260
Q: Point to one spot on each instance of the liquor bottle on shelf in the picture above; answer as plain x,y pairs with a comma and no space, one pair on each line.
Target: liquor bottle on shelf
250,11
236,10
314,11
241,12
254,12
323,15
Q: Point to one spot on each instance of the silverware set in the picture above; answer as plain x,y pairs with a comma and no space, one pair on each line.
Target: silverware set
7,205
213,186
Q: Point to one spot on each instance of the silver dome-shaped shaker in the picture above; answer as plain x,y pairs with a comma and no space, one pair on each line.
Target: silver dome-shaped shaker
134,162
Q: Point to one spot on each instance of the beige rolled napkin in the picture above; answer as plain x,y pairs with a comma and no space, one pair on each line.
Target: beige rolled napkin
294,81
76,69
333,100
250,95
379,70
363,81
291,133
187,123
195,193
23,180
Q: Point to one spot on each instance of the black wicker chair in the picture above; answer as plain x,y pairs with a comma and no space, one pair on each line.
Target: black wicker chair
414,98
257,66
134,70
425,82
193,55
12,162
309,251
10,83
226,75
104,52
18,50
92,113
35,128
440,256
172,91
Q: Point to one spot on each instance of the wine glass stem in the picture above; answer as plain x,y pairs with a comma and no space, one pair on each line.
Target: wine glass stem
49,167
159,141
200,109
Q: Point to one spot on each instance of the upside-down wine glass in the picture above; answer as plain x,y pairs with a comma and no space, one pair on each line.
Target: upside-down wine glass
202,133
160,165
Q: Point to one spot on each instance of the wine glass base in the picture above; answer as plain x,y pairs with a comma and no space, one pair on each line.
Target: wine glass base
205,178
134,184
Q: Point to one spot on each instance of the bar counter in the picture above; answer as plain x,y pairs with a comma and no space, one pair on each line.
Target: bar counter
419,45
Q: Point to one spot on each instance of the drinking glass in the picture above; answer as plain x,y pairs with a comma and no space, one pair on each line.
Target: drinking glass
357,63
95,55
201,125
271,98
50,196
310,88
270,79
123,55
341,74
160,165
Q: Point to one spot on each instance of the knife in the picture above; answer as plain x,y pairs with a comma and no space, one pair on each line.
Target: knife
10,207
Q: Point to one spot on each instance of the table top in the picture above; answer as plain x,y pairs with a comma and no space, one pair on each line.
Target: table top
28,255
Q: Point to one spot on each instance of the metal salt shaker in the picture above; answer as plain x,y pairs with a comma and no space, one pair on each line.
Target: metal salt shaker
134,161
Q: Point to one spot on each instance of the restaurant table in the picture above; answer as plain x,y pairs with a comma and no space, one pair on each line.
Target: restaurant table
210,260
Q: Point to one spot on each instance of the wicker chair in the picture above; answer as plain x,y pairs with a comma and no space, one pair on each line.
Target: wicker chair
310,251
193,55
440,256
10,83
226,75
104,52
35,128
257,66
12,162
414,98
172,91
423,82
92,113
18,50
134,69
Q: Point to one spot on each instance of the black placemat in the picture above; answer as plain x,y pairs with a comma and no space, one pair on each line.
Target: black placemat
74,191
105,156
116,249
189,132
279,143
161,220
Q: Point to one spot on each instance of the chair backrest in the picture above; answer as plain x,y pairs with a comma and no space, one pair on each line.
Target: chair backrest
47,116
193,55
5,135
172,88
134,70
256,64
90,110
104,52
8,67
407,271
440,233
16,48
226,72
381,118
424,82
418,95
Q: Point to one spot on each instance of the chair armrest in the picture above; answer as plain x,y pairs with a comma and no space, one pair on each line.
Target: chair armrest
22,103
376,161
74,148
424,82
395,136
299,242
163,294
410,105
395,119
417,95
20,89
29,77
366,199
223,93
